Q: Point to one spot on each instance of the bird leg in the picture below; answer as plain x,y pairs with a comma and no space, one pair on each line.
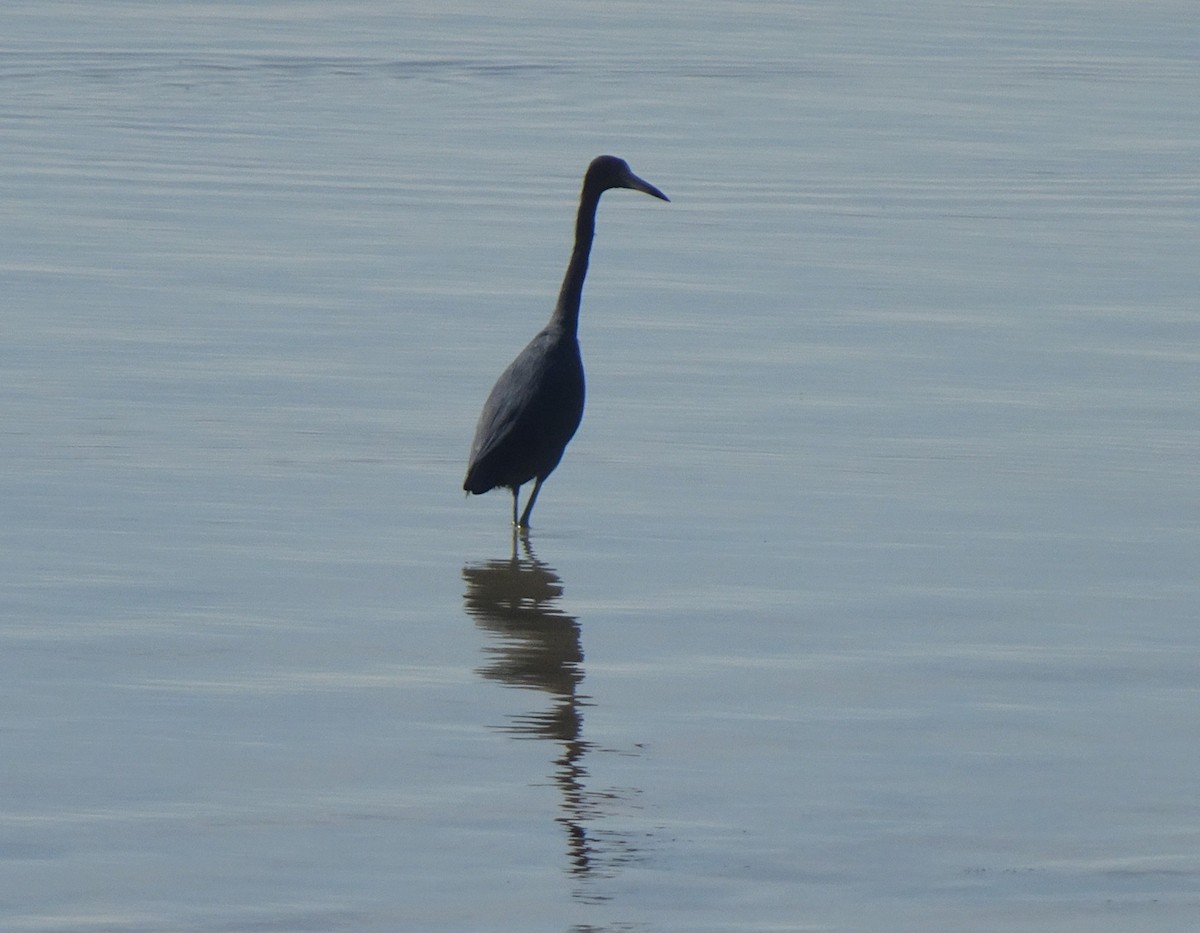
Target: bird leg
524,523
515,490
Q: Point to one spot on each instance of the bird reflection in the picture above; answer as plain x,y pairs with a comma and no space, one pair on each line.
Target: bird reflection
538,646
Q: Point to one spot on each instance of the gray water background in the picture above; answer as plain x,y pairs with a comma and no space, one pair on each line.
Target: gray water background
864,599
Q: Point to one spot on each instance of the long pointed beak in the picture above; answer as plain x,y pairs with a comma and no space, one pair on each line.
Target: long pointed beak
637,184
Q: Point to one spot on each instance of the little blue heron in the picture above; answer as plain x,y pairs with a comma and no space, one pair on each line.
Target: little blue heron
537,403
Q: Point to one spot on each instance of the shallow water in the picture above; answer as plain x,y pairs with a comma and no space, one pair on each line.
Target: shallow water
864,599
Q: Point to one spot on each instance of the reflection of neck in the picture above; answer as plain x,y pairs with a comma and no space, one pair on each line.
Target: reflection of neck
566,312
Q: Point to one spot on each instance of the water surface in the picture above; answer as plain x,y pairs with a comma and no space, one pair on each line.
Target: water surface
864,598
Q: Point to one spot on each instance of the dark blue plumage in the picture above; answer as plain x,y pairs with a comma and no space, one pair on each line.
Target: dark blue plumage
536,405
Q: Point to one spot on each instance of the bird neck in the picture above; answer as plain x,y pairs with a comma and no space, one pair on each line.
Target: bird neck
566,311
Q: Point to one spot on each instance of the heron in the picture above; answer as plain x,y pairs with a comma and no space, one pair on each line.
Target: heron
536,405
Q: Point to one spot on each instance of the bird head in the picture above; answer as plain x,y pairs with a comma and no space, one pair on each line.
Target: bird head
608,171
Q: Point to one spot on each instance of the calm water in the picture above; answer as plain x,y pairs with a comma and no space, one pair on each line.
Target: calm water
865,598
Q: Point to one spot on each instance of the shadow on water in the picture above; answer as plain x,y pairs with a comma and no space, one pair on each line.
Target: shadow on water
537,646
